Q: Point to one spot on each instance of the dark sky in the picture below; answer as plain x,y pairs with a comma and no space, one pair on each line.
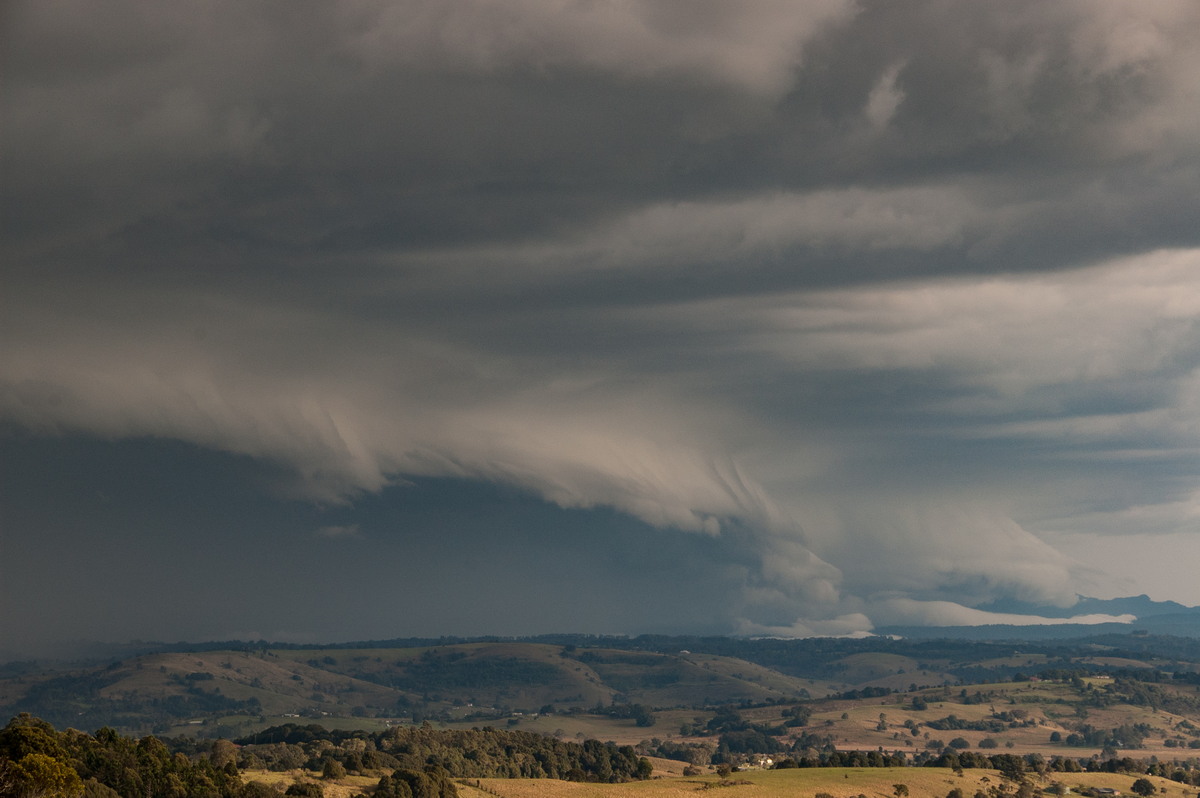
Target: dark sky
372,319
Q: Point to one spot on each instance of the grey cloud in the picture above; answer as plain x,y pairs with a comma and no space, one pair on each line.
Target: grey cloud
297,387
261,144
808,277
755,46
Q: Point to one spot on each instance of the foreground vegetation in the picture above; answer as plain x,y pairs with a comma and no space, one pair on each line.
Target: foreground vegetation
36,761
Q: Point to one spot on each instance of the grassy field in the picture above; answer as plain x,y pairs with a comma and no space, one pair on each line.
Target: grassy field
342,788
838,782
854,725
862,724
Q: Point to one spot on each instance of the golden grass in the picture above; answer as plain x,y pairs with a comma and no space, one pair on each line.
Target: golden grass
342,788
1051,705
838,782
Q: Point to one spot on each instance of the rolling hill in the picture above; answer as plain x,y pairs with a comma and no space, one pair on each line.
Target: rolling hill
848,694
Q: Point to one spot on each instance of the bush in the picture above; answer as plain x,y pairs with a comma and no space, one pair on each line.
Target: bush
306,789
1143,787
256,789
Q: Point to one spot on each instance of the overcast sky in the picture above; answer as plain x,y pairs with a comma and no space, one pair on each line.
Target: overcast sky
331,321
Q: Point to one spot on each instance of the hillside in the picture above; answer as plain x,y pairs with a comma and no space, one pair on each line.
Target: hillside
166,692
913,696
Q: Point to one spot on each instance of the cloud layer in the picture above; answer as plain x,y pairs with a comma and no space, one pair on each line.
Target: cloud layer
896,299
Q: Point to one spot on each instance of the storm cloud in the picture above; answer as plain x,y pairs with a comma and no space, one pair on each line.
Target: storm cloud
874,313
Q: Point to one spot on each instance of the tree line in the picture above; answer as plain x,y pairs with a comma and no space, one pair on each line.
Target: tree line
37,761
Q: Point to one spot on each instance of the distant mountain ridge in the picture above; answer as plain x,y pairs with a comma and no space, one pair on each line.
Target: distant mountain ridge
1151,617
1142,606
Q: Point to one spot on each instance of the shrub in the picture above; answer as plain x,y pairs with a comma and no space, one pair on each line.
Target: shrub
305,789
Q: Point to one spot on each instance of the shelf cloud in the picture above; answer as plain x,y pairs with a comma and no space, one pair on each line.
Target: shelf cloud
870,313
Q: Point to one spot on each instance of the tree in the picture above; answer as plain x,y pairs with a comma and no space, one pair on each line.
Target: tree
26,734
900,790
222,753
642,716
389,788
1143,787
1011,767
38,776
